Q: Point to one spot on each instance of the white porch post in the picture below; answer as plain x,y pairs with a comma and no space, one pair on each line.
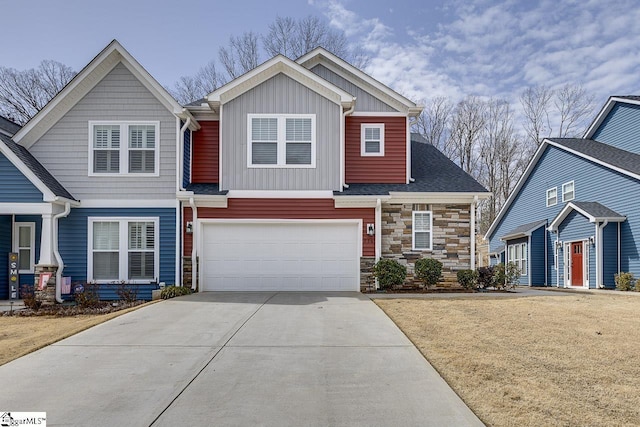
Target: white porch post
46,241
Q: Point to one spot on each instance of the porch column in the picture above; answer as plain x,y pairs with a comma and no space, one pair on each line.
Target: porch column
46,241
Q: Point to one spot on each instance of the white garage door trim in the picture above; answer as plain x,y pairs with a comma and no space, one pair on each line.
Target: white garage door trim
356,223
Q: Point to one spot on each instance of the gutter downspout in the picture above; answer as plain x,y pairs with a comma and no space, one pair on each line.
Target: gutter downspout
619,248
378,233
180,167
56,253
473,232
350,111
409,157
194,234
599,254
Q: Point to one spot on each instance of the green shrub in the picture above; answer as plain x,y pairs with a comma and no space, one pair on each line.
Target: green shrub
468,279
428,270
506,277
174,291
389,273
485,276
626,282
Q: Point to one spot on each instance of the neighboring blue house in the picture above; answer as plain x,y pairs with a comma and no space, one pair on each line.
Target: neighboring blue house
573,219
88,186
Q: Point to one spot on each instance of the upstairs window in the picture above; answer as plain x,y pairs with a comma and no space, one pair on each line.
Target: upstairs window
421,230
568,191
281,141
552,196
372,139
126,148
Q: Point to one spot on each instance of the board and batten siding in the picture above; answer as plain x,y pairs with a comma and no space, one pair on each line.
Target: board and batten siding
186,157
621,128
388,169
206,152
14,186
280,95
64,149
365,102
593,183
5,248
537,253
73,242
260,209
574,228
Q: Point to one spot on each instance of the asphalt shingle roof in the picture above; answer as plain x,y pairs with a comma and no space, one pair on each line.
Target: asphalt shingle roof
525,228
609,154
433,173
38,170
631,97
206,189
8,126
597,210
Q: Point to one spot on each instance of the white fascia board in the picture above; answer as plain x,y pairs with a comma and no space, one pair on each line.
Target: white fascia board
606,109
465,198
272,67
202,200
571,207
314,57
358,201
279,194
128,203
25,208
47,194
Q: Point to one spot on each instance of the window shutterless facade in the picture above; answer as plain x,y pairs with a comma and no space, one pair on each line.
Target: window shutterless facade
372,139
24,243
124,148
123,249
568,191
518,255
422,235
552,196
281,140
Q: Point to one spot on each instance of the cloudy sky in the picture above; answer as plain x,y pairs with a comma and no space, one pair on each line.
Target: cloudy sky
421,49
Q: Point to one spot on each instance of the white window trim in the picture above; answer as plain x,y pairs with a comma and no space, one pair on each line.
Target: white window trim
556,196
123,250
365,126
124,147
564,199
521,256
281,141
413,231
16,242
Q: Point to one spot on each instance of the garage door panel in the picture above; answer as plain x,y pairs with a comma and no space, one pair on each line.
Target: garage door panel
280,256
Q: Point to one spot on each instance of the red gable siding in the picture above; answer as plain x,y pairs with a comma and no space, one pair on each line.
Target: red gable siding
206,149
286,209
388,169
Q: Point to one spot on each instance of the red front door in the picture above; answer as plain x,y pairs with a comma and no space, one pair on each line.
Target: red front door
576,264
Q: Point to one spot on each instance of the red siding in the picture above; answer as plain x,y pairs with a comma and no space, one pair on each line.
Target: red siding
388,169
286,209
206,151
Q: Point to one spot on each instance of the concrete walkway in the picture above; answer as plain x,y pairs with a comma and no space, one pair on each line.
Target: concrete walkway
236,359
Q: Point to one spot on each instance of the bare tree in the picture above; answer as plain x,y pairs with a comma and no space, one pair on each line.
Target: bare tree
190,88
280,38
573,105
433,122
241,55
467,124
24,93
535,103
313,32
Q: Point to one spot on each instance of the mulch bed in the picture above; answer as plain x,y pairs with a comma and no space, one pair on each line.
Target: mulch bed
72,309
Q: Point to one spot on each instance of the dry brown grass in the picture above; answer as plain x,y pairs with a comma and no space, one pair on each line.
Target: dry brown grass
537,361
23,335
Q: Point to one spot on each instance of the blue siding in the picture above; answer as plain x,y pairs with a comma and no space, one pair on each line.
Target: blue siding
593,182
73,243
536,263
14,186
610,259
5,248
186,164
621,128
576,227
28,279
524,278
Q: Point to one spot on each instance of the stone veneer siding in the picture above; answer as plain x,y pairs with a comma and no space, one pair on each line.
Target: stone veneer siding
451,238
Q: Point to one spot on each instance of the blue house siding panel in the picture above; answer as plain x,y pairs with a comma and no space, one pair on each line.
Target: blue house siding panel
621,128
575,228
186,164
537,251
5,248
28,279
14,186
610,259
552,272
593,182
73,243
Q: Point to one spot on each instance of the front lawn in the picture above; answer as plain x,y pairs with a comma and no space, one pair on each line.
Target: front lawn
559,360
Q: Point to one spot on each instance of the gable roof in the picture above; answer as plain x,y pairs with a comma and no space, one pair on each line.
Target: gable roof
608,106
351,73
8,127
610,157
86,80
523,230
593,211
274,66
34,171
432,171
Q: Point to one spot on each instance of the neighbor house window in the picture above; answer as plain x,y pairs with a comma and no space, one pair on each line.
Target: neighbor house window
518,255
123,249
279,140
422,230
123,148
372,139
568,191
24,243
552,196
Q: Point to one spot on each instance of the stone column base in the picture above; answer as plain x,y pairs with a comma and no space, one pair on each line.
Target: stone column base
48,294
367,281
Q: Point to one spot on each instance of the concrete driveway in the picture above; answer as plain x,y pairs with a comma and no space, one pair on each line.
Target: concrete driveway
237,359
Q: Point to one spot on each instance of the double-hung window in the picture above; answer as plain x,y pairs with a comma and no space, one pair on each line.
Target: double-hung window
552,196
422,235
568,191
123,148
24,243
518,255
372,139
281,141
123,249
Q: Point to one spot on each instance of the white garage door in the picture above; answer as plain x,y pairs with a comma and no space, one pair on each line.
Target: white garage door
299,256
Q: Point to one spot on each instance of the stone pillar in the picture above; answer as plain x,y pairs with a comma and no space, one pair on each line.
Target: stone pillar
367,281
48,294
186,271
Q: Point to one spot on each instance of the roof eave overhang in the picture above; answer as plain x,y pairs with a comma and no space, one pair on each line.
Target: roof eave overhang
442,197
203,200
604,112
364,201
553,227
